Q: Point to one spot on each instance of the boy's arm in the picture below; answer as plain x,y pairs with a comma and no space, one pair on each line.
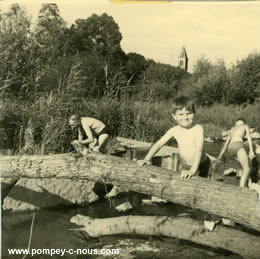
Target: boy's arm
249,139
89,134
223,150
197,156
80,136
157,146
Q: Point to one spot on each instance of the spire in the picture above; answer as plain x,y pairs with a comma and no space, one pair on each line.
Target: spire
183,59
183,53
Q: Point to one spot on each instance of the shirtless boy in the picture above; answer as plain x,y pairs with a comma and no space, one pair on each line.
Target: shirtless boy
91,132
235,146
190,139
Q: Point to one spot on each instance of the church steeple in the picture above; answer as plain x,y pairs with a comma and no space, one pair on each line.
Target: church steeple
183,59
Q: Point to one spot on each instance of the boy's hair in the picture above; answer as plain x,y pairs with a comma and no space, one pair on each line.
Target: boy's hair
240,119
183,102
75,117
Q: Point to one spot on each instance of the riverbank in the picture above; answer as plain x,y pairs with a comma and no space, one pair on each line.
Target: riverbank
41,126
148,121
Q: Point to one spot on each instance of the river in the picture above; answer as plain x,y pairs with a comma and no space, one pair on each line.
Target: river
52,229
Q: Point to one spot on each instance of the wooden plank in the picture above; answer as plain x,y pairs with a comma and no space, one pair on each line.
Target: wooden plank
165,151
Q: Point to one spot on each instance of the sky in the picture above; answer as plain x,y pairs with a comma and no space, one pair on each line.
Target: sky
215,30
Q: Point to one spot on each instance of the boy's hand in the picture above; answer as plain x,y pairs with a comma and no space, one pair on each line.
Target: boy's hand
251,154
76,142
96,149
143,162
186,174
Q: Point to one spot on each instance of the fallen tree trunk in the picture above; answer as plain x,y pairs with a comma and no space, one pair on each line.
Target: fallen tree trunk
239,204
230,239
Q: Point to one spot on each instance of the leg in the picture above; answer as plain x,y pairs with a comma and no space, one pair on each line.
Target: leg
93,144
101,141
113,192
243,160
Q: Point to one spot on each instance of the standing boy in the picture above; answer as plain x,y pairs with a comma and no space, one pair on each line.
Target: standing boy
91,132
190,139
235,146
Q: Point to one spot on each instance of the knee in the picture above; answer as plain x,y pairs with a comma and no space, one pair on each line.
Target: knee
246,170
245,167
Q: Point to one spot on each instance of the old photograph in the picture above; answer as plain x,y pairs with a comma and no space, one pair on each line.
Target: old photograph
130,129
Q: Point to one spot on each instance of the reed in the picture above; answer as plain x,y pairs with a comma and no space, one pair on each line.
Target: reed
40,126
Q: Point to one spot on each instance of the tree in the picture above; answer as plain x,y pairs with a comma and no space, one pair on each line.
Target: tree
93,69
98,34
48,32
135,66
211,86
17,66
202,67
163,81
165,74
103,34
245,80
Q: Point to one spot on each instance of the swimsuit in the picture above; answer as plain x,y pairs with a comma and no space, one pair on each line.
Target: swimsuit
105,130
79,128
203,168
234,147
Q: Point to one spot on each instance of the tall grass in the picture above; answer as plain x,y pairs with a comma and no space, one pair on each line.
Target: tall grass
46,119
221,117
39,125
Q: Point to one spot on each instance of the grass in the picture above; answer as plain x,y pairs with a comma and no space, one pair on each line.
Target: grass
221,117
40,126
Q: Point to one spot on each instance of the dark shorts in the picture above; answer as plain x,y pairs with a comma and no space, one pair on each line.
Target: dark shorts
106,130
203,167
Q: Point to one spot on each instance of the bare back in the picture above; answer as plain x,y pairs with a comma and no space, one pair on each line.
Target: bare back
95,125
237,133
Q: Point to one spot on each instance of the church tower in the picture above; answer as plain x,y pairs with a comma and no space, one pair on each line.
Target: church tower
183,59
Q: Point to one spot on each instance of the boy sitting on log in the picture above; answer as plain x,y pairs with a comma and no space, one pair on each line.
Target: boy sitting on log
91,132
235,146
190,139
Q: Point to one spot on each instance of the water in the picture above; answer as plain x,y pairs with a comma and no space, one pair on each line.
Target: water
52,229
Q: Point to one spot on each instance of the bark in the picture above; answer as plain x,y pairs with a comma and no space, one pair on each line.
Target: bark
230,239
239,204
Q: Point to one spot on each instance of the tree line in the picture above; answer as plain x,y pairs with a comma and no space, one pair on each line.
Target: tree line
37,58
50,70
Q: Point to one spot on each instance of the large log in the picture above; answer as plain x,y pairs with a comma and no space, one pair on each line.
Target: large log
239,204
230,239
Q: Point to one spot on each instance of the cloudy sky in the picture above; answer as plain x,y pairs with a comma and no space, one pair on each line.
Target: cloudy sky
216,30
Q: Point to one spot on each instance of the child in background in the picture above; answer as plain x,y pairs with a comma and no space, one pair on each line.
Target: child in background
235,146
91,132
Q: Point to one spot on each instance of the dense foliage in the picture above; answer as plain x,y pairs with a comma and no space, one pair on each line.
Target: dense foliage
49,70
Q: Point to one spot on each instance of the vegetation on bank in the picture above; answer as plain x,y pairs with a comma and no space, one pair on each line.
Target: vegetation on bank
84,70
45,120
